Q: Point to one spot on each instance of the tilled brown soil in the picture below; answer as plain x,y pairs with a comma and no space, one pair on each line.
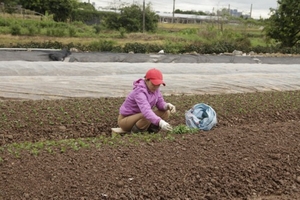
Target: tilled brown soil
253,153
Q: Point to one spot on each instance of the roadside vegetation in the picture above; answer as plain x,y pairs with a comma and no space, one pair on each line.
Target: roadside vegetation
86,29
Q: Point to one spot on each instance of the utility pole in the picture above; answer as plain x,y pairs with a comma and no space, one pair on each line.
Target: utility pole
173,11
251,11
144,14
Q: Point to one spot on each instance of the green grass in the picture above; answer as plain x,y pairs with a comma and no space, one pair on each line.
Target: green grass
33,29
61,146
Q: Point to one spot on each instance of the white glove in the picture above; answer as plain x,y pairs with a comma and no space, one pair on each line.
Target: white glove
165,126
171,107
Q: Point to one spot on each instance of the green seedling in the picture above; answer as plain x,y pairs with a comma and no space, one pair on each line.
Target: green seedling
183,129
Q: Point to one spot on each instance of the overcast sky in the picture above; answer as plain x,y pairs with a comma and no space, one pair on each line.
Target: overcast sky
260,8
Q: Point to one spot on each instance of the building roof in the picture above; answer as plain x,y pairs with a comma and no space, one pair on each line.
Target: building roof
189,16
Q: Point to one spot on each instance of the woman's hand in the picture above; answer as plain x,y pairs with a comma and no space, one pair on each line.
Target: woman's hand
165,125
171,107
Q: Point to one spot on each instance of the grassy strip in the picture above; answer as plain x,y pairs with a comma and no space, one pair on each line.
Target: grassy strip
61,146
173,38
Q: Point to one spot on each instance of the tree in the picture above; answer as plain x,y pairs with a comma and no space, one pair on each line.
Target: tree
192,12
9,6
34,5
86,6
61,9
284,23
131,18
151,19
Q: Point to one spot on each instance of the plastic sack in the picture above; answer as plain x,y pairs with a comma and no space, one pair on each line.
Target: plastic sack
201,116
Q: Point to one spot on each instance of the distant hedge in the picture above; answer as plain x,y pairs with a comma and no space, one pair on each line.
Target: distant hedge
173,48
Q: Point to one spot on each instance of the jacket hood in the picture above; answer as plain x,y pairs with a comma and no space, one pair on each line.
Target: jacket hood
139,83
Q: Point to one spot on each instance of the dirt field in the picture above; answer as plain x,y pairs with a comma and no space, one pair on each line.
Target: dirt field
63,149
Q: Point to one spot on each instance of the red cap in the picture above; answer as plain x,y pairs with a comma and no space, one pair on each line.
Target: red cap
155,76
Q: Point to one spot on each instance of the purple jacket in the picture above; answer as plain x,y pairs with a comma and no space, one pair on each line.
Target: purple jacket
142,100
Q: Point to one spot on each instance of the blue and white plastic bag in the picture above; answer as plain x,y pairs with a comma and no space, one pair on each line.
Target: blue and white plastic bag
201,116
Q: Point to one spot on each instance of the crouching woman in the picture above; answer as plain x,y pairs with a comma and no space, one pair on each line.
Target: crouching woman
144,109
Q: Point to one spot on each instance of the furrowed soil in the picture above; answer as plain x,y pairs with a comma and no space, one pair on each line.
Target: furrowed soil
64,149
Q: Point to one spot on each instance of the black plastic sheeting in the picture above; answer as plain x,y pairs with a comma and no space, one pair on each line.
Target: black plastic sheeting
34,55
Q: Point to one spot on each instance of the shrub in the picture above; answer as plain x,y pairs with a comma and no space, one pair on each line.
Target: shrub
122,32
153,48
97,29
117,49
173,48
57,32
101,46
194,47
72,31
32,30
242,43
15,30
4,22
135,47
